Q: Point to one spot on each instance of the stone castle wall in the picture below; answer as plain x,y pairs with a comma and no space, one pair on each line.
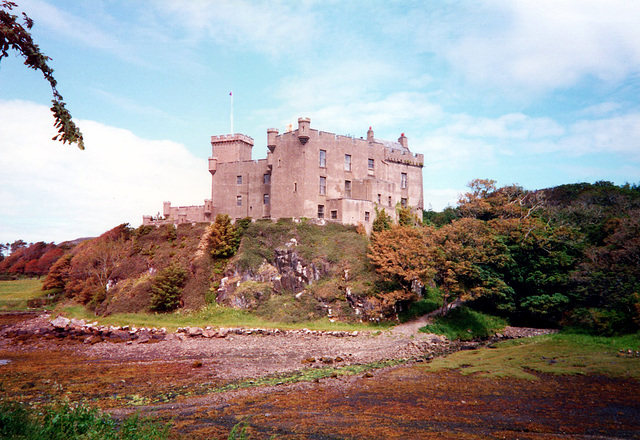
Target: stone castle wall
307,173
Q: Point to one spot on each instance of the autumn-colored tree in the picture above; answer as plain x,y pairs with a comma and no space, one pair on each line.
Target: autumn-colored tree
95,261
403,255
58,274
14,35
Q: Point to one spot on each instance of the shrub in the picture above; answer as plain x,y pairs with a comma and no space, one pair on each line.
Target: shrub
64,422
464,323
167,289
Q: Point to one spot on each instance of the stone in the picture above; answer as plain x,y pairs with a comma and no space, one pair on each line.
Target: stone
194,331
61,322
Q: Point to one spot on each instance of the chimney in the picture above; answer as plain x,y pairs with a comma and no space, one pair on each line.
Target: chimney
403,141
370,135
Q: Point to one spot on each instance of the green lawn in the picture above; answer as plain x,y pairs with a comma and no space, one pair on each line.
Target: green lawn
565,354
15,294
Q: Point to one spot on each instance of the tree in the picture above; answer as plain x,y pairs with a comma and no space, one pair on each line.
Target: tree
403,256
468,258
15,36
167,289
224,239
382,221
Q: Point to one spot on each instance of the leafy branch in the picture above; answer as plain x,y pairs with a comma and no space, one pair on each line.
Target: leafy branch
14,35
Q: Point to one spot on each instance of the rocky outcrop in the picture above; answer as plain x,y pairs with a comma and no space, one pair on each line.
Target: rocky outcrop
289,272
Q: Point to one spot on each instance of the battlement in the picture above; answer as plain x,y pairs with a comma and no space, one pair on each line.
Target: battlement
232,138
404,157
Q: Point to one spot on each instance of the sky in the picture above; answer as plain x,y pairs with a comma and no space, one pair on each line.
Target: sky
536,93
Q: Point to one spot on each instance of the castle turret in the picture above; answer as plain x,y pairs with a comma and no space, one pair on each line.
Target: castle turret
303,129
272,133
370,135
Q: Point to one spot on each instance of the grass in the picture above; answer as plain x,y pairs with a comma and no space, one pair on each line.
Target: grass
562,354
64,422
15,294
211,315
465,324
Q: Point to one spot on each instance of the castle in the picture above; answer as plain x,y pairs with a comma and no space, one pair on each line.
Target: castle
307,173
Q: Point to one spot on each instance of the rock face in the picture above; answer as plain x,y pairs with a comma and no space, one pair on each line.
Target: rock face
289,272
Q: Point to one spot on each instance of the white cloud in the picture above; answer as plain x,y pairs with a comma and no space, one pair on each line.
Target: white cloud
614,135
509,126
279,29
543,44
55,192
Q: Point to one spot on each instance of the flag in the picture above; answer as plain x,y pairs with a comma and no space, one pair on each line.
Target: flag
230,93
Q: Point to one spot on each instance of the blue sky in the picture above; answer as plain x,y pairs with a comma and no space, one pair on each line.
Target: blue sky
537,93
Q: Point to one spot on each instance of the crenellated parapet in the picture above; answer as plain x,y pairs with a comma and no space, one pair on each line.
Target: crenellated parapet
232,137
404,157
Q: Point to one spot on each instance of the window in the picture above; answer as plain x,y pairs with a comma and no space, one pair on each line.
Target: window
379,199
389,200
334,215
370,164
403,202
266,179
295,186
320,211
239,201
239,180
323,186
265,199
403,180
366,216
347,162
347,188
323,159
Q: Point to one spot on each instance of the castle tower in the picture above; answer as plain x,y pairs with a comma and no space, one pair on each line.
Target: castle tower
231,147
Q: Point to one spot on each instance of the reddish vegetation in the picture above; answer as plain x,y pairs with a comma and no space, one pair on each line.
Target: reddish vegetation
404,402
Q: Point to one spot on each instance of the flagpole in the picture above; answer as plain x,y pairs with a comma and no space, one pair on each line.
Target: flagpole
231,94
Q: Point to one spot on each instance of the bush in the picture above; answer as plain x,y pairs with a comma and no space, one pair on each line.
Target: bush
64,422
464,323
167,289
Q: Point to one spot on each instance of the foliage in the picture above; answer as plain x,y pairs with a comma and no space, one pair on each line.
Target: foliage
14,35
406,217
403,255
382,222
64,422
30,260
167,289
224,239
439,219
465,324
